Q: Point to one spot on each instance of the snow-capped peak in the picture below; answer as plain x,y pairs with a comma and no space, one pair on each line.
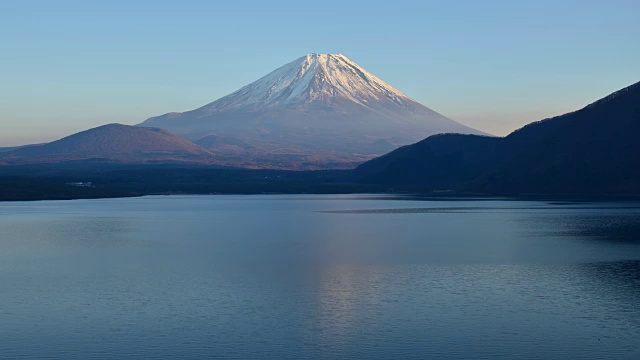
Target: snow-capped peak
314,77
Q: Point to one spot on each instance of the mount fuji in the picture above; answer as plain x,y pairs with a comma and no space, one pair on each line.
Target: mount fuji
320,111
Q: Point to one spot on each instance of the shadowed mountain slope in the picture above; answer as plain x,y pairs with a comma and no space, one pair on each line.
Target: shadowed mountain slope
115,142
593,150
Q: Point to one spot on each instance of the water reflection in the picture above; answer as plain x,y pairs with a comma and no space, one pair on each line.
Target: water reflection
617,282
614,228
319,277
26,235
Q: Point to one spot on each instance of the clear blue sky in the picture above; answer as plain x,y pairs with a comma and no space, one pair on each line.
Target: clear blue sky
495,65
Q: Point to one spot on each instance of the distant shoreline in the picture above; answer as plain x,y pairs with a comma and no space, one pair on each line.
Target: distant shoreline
391,195
97,181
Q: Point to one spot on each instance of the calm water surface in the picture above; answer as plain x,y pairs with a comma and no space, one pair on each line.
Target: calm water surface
335,277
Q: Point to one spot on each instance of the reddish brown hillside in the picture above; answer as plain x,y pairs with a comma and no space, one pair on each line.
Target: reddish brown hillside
122,143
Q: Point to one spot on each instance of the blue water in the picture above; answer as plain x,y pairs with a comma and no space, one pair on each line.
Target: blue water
328,277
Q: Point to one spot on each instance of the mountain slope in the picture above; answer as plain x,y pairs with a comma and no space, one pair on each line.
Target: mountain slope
322,107
116,142
592,150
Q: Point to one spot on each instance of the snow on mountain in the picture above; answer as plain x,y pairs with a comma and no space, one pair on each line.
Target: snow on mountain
315,77
319,111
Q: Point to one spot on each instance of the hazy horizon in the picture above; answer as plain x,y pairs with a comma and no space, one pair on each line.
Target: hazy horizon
495,67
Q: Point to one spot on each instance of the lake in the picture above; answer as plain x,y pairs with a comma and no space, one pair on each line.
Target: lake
319,276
